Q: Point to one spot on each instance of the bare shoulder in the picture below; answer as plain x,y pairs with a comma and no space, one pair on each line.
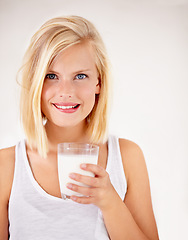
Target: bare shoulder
7,162
132,157
129,146
7,156
138,196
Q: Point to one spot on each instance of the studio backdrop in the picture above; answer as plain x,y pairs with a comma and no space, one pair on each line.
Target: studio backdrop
147,43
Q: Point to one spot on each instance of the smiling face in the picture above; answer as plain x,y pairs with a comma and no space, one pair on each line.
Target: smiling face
70,85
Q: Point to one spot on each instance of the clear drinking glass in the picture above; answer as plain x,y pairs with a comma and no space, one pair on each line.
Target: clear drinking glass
70,156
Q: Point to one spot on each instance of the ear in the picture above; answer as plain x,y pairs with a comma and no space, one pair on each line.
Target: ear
98,87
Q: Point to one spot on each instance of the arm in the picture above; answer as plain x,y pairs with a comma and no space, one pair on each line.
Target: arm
133,218
6,177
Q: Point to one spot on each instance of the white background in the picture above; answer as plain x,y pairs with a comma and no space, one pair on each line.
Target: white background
147,41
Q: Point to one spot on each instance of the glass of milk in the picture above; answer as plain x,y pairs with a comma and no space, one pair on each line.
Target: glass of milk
70,156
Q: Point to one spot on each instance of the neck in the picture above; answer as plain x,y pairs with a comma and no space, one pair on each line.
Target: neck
58,134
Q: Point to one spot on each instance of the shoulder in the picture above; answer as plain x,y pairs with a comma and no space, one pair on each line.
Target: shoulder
129,148
7,162
7,156
138,197
132,158
7,151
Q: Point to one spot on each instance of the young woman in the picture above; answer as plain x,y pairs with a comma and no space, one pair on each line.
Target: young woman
64,98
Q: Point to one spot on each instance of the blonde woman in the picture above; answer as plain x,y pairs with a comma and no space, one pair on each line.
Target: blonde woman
64,98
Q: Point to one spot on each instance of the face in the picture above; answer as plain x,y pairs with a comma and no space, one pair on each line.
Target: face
70,86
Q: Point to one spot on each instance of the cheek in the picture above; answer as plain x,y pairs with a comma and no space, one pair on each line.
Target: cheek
45,96
88,94
88,90
46,93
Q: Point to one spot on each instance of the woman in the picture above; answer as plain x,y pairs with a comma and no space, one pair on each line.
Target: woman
65,98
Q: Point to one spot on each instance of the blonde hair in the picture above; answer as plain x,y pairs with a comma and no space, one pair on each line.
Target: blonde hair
53,37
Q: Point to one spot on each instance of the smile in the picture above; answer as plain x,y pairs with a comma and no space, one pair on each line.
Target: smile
67,107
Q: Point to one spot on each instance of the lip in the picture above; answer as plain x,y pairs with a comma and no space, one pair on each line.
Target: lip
70,110
66,104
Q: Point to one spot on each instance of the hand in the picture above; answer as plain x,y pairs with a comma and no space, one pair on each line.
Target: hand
99,191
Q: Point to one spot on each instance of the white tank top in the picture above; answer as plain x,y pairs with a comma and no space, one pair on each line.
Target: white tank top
36,215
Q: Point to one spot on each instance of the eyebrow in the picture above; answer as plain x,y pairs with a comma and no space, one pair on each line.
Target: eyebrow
76,72
83,70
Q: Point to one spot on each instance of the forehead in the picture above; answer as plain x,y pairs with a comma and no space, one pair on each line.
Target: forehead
79,56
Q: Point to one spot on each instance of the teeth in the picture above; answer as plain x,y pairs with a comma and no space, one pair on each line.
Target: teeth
65,107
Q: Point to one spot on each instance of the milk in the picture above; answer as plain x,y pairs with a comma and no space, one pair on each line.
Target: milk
70,163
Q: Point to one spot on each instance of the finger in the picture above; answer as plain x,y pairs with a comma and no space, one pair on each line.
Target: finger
96,169
86,191
82,200
90,181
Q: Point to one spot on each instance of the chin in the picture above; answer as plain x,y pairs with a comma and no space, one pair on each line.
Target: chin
70,124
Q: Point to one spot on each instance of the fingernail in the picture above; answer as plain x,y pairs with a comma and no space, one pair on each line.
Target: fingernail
73,198
69,185
72,175
83,165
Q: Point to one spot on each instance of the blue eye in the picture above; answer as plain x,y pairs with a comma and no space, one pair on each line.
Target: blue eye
51,76
81,76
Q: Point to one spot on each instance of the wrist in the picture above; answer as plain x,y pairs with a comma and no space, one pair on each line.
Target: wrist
113,201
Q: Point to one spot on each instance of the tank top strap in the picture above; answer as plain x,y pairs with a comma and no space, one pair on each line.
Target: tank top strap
18,169
20,161
115,166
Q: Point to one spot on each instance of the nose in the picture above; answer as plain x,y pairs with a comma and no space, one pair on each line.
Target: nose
65,89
